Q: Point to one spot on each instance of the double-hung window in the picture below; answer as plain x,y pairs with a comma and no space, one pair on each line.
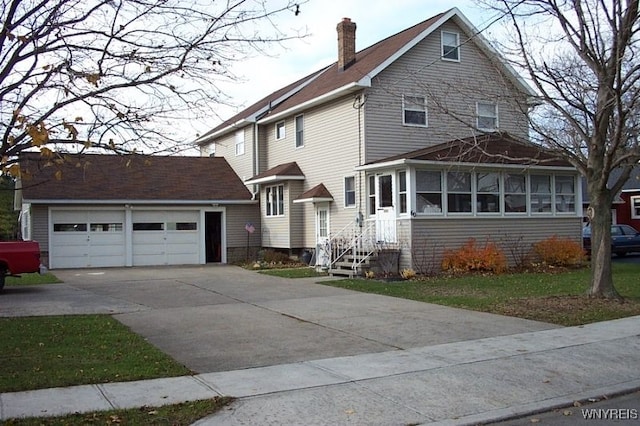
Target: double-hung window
515,193
350,191
275,200
450,46
299,131
540,193
414,111
428,192
280,130
488,192
487,116
240,142
565,194
459,192
402,191
372,195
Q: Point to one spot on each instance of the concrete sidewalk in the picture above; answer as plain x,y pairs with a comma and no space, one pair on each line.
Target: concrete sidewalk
466,382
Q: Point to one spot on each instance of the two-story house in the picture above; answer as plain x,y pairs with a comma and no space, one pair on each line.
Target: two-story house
419,142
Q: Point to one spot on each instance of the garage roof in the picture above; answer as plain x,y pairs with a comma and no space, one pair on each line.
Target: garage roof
133,177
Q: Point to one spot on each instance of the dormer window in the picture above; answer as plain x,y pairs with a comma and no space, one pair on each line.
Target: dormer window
450,46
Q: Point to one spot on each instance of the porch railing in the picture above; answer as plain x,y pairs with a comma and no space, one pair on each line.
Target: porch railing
360,242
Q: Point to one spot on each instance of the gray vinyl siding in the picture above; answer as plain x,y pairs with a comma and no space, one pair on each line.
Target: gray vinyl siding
236,219
241,164
431,237
454,86
330,152
40,230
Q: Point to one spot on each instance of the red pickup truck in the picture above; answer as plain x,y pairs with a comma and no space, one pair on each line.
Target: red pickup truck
19,257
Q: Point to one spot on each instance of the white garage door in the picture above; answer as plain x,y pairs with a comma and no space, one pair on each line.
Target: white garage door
166,238
87,238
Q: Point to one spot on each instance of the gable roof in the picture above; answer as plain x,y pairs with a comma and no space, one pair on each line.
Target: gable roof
329,83
287,171
317,194
491,148
70,178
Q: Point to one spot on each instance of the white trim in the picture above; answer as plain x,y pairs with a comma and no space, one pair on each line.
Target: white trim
194,203
415,108
313,200
404,161
334,94
272,179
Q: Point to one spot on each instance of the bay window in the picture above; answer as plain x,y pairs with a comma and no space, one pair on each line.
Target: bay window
275,200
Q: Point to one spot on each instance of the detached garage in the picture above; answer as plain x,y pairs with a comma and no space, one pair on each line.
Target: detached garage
112,211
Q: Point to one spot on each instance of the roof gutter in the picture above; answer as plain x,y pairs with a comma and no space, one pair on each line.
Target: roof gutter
334,94
140,202
440,164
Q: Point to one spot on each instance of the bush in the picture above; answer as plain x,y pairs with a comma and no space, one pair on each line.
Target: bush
408,274
470,258
273,256
556,251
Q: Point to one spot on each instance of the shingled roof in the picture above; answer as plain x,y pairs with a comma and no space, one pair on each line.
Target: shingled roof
143,178
369,62
491,148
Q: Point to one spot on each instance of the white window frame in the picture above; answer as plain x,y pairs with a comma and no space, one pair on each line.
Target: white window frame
403,195
560,197
371,195
456,48
508,191
408,106
463,192
634,200
493,116
239,142
274,201
348,191
281,130
486,116
475,200
299,131
431,209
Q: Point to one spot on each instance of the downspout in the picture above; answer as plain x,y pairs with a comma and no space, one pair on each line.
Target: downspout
256,157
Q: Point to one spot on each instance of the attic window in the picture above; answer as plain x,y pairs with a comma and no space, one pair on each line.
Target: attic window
487,116
450,46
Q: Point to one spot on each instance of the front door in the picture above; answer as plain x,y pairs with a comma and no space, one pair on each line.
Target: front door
385,210
322,235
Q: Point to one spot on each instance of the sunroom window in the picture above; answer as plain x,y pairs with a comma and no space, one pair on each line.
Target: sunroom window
565,194
515,193
541,193
488,192
459,192
428,192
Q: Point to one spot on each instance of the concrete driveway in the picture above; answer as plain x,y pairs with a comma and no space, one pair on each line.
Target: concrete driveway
220,318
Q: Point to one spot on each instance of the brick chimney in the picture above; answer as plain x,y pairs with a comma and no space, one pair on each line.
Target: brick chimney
346,43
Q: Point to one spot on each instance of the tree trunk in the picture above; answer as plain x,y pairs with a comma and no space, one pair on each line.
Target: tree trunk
601,272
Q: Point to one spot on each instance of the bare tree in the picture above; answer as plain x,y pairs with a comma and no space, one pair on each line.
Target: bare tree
582,57
118,74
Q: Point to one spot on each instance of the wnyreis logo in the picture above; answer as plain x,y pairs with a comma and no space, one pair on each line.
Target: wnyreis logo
610,414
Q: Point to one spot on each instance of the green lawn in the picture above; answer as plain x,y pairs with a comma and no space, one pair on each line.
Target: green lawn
176,415
43,352
304,272
557,298
32,279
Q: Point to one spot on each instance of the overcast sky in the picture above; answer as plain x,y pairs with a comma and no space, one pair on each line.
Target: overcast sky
375,20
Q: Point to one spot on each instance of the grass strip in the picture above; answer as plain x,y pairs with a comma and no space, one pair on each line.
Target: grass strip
52,351
176,415
554,297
